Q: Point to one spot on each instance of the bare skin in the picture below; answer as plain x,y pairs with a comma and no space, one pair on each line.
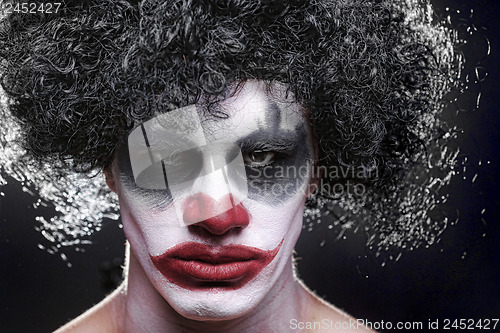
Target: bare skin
136,306
274,300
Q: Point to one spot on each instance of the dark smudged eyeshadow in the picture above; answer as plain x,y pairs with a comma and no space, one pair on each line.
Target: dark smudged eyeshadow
282,179
273,183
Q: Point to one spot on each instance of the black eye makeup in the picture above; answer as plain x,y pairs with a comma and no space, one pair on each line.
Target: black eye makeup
259,158
272,163
261,154
276,163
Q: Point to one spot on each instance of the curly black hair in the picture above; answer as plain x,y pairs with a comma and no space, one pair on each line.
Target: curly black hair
82,78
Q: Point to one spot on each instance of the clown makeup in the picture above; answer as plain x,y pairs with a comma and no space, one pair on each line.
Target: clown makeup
171,152
212,206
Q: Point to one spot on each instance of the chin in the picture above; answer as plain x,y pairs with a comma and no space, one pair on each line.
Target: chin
215,304
216,308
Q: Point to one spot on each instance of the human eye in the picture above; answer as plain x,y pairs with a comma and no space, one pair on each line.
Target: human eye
175,159
268,153
182,164
259,158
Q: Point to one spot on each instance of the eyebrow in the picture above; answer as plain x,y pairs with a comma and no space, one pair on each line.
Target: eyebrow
272,139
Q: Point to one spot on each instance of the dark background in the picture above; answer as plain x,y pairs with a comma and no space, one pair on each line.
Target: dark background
455,279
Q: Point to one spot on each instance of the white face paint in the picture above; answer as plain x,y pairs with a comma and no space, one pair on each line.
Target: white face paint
172,153
214,246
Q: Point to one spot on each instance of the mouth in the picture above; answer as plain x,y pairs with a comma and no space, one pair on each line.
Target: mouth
194,265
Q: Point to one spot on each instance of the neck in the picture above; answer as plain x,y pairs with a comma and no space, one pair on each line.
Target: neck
144,309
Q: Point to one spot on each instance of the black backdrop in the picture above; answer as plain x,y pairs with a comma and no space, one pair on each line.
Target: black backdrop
455,279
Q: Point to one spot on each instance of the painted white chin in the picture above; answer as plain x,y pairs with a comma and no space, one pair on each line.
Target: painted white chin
216,304
219,304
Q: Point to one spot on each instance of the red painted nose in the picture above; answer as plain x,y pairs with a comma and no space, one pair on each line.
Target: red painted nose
204,211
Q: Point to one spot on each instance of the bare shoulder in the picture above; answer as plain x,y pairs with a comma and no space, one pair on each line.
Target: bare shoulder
324,317
99,318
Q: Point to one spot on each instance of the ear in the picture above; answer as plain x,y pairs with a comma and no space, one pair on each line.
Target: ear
110,178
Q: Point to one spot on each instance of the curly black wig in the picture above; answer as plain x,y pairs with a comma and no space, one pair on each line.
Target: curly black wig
80,79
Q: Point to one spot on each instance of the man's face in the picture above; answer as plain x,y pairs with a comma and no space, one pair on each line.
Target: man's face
212,206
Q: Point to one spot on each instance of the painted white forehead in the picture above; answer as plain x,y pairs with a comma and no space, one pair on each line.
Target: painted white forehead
254,108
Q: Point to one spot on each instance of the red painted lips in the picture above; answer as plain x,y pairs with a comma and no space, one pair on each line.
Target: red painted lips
193,265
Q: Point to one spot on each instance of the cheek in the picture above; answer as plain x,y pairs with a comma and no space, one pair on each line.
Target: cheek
147,203
271,223
149,227
281,182
137,197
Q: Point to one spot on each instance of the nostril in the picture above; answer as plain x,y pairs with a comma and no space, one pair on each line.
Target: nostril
216,216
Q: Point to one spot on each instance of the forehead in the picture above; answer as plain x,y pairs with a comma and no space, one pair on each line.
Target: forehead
255,112
253,109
